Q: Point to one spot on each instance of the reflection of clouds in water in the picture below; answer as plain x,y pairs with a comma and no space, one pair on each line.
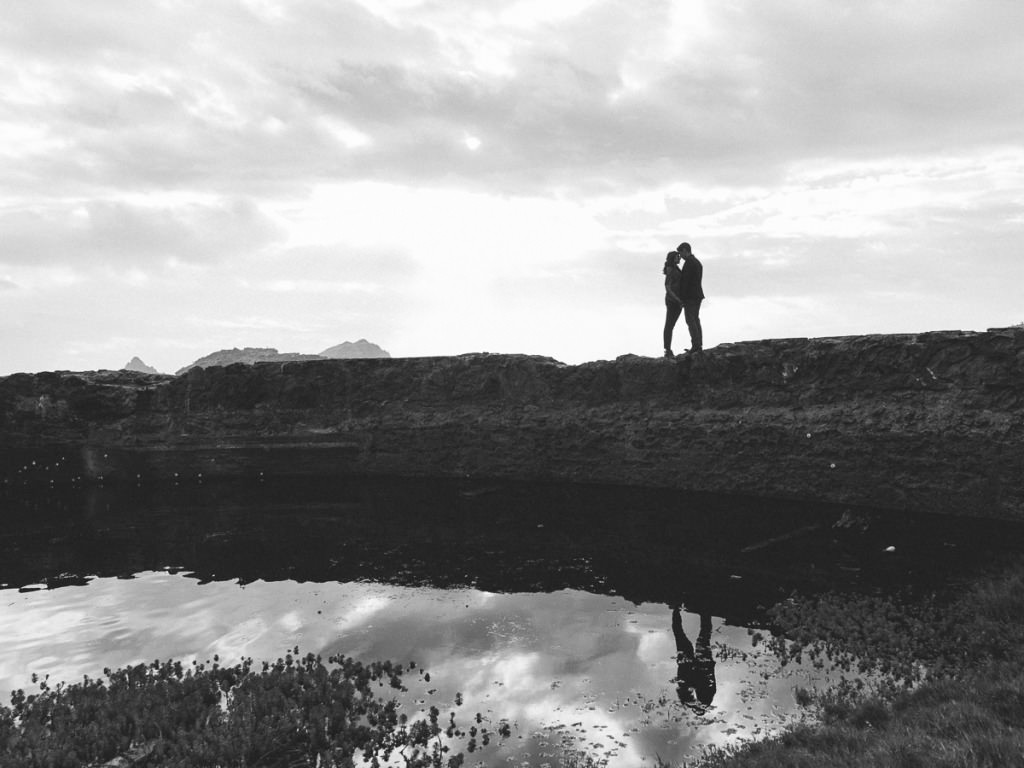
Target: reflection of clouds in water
239,640
653,647
290,622
576,660
569,663
531,691
518,673
359,611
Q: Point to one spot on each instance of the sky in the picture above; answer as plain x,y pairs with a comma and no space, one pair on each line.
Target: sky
452,176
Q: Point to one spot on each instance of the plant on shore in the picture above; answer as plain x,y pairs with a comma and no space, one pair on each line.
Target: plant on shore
952,690
296,711
904,639
976,721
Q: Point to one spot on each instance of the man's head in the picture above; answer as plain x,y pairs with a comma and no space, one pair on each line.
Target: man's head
684,250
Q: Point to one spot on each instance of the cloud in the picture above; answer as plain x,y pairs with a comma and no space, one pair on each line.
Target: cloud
97,233
140,96
582,102
602,95
843,82
7,284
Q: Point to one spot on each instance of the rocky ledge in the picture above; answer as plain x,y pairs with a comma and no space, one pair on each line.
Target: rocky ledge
925,422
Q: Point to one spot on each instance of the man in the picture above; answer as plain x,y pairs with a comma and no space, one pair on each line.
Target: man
692,294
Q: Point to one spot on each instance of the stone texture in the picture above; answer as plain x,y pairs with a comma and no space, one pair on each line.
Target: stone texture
924,422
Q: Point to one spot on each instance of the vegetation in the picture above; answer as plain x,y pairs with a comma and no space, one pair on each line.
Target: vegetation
907,639
294,712
975,721
948,681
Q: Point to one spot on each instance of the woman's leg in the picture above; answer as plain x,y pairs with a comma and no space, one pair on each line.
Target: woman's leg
672,311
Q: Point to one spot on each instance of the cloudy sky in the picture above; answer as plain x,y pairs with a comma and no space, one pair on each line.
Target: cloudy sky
449,176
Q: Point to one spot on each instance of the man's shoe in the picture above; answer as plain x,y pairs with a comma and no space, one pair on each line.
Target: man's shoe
668,353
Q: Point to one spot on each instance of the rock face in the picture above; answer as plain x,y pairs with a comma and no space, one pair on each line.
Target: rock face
135,364
928,422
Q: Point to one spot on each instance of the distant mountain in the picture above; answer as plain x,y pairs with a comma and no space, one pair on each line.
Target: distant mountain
348,349
248,355
135,364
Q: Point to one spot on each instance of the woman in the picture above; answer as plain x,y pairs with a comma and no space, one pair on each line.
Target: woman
673,302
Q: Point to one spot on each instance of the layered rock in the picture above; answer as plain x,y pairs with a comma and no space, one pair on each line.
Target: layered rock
927,422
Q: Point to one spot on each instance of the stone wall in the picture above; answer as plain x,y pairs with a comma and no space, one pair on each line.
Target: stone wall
925,422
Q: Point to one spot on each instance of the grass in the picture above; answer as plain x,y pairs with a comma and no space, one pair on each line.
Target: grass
970,722
951,681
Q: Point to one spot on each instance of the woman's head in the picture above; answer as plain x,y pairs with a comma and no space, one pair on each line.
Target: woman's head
671,259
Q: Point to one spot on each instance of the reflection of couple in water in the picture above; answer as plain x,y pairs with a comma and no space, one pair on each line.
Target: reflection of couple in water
695,671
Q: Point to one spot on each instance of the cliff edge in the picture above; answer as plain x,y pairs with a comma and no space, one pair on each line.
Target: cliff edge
923,422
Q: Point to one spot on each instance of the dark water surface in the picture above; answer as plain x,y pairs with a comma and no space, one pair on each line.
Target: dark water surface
561,609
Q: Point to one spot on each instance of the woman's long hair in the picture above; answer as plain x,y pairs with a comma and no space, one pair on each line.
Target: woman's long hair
670,261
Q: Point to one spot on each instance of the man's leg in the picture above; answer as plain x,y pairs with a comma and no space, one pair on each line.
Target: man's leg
691,313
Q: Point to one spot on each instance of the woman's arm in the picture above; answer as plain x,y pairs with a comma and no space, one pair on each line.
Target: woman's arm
669,291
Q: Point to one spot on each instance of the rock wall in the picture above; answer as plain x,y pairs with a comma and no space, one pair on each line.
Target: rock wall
926,422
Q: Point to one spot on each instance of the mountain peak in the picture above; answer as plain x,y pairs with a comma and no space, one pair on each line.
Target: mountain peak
135,364
250,355
247,355
349,349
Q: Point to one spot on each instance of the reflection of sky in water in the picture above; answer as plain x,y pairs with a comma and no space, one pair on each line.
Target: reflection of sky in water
569,663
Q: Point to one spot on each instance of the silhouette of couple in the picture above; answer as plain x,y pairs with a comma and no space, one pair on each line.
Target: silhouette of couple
683,295
695,666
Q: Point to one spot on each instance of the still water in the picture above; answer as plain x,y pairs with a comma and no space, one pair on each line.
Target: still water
604,620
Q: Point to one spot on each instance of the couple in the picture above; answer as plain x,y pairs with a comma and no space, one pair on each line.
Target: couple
683,294
695,667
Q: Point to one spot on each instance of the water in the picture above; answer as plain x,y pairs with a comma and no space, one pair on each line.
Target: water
549,607
598,668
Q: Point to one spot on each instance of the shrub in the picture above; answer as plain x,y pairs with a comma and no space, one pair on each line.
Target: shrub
296,711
